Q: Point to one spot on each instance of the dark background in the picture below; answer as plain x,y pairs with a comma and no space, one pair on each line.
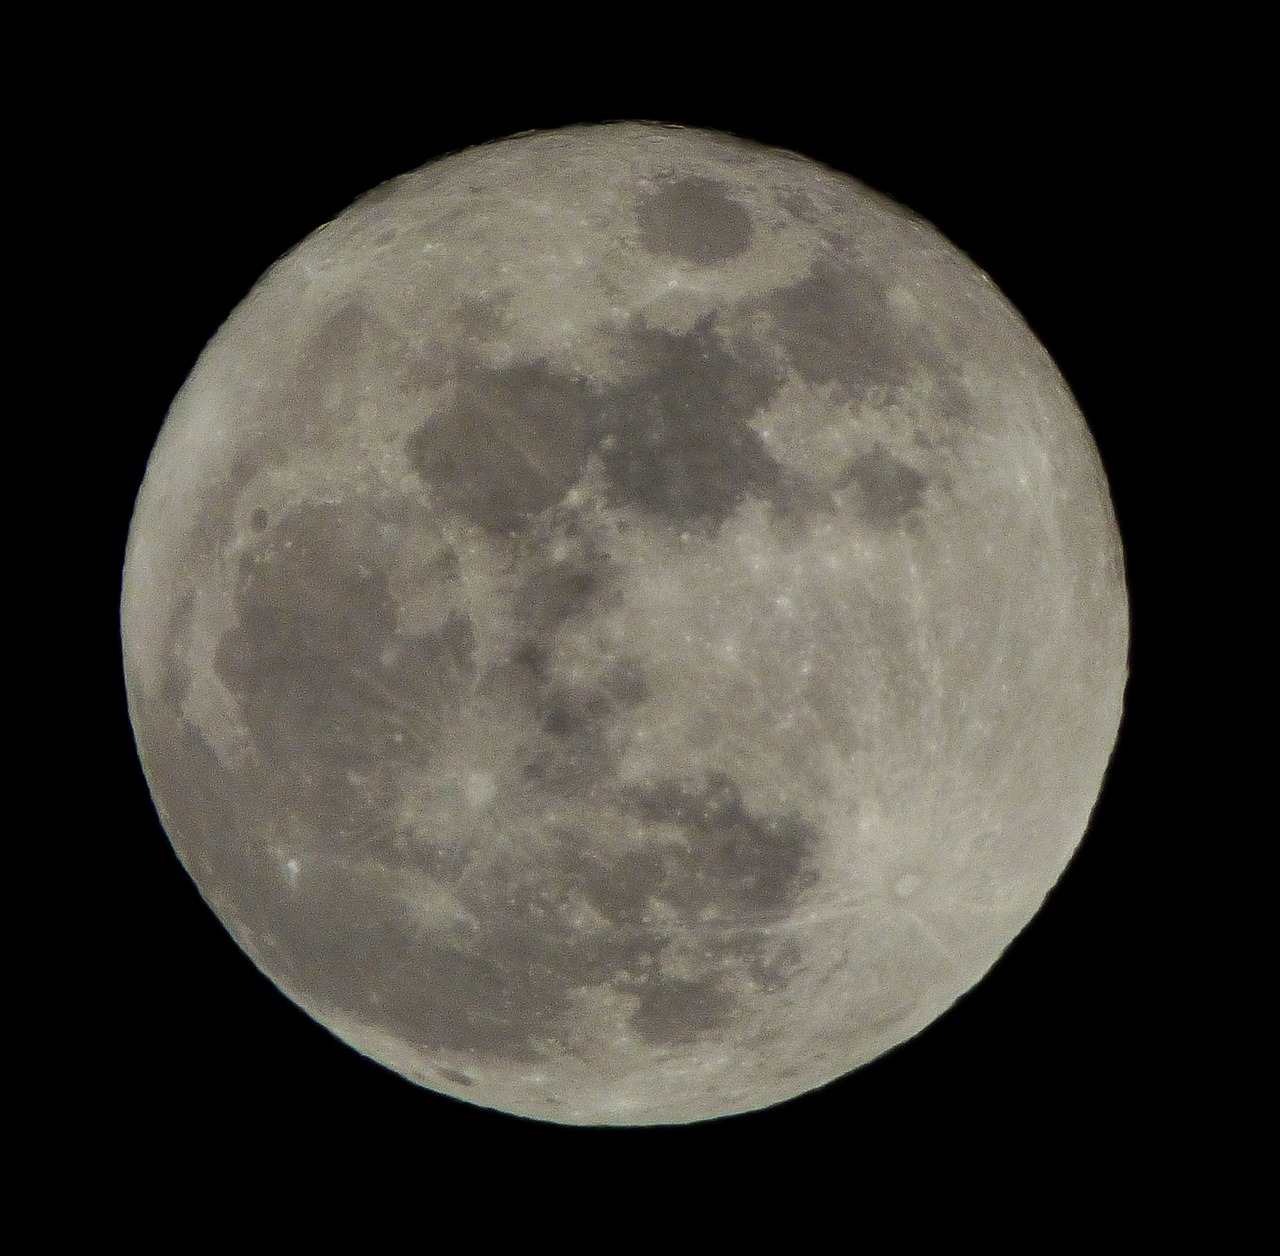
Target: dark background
1059,1057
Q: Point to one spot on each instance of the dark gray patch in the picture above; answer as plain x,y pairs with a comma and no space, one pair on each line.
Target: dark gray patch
695,219
316,726
430,671
522,679
562,716
553,595
423,367
458,1078
571,756
352,348
627,684
444,566
676,440
620,890
836,327
511,444
569,712
306,663
888,490
674,1011
737,865
481,319
258,520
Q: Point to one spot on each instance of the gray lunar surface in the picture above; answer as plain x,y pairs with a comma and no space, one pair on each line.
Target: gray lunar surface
624,625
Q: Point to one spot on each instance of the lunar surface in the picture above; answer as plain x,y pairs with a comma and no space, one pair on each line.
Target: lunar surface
624,625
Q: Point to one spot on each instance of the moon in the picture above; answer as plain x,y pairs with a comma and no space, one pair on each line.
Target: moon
624,625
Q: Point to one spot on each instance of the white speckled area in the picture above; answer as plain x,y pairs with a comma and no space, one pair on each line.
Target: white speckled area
624,625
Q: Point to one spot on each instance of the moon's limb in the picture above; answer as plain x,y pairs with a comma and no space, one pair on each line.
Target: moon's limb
624,625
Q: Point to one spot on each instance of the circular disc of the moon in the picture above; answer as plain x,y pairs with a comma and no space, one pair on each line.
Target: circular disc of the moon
624,625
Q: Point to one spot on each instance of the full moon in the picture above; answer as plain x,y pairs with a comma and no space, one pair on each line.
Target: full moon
624,625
